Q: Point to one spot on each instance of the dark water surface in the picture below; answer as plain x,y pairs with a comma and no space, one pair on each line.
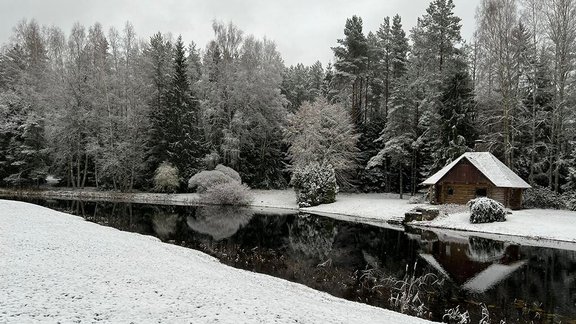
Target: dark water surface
421,273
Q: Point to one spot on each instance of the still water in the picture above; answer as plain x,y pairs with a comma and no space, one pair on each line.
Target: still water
423,273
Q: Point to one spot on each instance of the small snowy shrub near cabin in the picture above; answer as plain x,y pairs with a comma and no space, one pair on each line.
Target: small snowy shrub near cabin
315,184
486,210
166,178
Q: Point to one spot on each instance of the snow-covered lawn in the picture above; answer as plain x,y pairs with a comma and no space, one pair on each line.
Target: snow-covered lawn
532,223
374,206
56,267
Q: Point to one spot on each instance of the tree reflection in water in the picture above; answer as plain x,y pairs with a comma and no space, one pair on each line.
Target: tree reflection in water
219,222
165,224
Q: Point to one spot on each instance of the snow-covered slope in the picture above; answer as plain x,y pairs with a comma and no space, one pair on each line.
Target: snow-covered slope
58,267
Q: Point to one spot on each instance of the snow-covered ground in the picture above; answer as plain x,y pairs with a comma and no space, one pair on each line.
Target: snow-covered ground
56,267
536,224
374,206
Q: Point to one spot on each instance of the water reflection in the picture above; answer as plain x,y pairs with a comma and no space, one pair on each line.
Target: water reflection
365,263
219,222
165,224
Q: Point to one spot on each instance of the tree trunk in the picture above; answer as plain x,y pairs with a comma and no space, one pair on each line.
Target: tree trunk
85,170
401,183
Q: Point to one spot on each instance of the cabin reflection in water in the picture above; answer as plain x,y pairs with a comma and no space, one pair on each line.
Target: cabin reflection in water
474,263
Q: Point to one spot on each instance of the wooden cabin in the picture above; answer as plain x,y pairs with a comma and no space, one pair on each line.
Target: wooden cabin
476,174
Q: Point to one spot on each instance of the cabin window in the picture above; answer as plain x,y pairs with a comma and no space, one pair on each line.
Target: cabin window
450,191
481,192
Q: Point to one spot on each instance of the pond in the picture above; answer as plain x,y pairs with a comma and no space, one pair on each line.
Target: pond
424,273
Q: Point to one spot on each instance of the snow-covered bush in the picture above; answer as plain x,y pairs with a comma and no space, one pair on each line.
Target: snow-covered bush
222,186
166,178
229,172
542,198
203,180
315,184
229,193
486,210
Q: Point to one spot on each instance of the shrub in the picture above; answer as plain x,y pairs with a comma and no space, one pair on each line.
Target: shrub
315,184
542,198
229,193
486,210
229,172
166,178
203,180
222,186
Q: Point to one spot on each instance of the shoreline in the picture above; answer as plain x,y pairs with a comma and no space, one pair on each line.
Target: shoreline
383,210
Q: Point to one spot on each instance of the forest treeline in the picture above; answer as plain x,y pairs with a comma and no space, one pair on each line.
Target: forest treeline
106,108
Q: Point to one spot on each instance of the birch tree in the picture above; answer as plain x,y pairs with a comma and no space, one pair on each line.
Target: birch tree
561,31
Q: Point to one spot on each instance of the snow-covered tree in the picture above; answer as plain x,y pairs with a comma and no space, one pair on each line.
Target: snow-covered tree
321,132
351,66
166,178
185,142
244,110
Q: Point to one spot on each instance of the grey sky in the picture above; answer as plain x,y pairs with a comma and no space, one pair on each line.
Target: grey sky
303,30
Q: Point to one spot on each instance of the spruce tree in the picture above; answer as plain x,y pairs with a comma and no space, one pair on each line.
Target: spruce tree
158,58
457,112
181,124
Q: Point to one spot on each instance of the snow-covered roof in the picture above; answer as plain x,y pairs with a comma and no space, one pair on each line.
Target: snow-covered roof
497,172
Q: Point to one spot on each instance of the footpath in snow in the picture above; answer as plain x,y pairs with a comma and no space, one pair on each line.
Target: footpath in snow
57,267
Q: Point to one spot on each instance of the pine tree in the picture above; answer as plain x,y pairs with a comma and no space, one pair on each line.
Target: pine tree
434,55
351,64
442,30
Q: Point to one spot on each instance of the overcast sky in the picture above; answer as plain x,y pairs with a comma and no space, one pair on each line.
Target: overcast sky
303,30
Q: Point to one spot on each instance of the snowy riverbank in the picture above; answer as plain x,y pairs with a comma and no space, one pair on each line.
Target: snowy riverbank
377,207
58,267
373,208
535,224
